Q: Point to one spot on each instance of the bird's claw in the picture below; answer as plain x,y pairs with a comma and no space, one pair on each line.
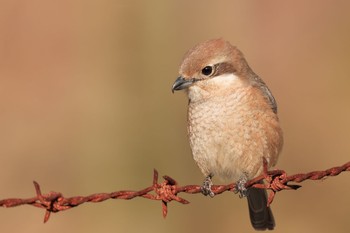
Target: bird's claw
240,187
206,187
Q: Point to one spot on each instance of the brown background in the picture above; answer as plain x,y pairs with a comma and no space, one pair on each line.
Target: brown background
86,106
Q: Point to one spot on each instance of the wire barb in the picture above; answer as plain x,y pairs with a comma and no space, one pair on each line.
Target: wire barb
168,190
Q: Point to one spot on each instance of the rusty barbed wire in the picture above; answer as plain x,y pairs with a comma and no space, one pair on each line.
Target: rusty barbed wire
275,181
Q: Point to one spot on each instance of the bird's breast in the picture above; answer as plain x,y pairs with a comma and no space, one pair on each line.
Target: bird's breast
229,134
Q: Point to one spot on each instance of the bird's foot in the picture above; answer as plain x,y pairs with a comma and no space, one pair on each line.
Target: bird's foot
206,187
240,187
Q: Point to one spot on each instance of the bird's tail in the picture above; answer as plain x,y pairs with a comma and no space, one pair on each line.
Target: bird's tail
261,216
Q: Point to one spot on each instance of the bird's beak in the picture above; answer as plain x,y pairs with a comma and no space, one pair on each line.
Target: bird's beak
181,83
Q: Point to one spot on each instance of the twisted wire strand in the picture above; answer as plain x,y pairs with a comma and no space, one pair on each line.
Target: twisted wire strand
168,190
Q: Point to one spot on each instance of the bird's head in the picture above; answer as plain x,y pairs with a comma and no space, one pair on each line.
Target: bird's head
211,66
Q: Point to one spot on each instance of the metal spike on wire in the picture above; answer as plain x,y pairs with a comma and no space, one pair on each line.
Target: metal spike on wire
168,190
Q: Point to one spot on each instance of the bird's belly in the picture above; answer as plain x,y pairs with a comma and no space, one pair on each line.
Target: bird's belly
211,141
215,156
231,145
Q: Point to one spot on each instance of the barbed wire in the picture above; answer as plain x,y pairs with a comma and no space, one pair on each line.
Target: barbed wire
166,191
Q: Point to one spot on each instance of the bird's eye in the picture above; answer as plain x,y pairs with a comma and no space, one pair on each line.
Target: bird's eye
208,70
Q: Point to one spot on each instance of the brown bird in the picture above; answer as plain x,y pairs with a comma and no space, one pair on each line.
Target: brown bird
232,121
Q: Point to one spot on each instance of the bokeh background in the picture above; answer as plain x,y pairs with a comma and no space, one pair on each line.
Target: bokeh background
86,107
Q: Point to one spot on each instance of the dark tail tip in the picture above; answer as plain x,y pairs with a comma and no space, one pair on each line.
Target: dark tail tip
261,216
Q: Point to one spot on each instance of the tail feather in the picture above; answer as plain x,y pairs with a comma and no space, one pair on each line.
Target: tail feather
261,216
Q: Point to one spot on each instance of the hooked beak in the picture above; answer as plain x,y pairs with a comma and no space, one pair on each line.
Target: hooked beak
181,83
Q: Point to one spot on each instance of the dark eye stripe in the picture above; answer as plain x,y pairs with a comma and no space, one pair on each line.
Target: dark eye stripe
217,70
224,68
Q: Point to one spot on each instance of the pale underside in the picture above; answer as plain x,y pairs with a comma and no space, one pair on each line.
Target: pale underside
231,128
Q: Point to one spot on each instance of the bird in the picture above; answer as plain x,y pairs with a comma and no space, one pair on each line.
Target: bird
232,121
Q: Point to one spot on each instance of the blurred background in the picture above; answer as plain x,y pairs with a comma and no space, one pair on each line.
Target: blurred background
86,107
